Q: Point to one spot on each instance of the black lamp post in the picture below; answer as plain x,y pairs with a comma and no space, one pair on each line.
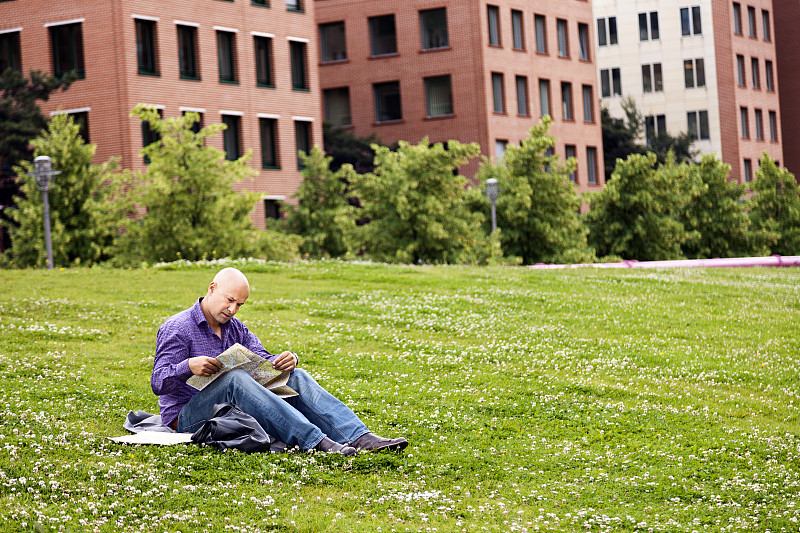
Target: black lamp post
492,190
43,170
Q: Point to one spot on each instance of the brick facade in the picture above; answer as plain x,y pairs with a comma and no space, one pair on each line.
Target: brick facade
469,59
113,84
787,17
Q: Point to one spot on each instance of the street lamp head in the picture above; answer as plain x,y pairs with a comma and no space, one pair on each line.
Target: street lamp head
492,189
43,171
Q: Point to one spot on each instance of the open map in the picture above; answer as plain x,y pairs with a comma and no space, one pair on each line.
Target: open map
239,357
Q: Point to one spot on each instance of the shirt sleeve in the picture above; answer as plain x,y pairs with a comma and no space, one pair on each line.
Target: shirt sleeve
251,342
171,366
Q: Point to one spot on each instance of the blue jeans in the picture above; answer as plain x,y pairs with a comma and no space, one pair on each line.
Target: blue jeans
302,420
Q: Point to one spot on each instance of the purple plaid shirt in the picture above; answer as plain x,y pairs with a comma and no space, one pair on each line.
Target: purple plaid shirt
187,335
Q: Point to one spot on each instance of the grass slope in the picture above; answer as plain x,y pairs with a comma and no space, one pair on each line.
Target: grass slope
575,400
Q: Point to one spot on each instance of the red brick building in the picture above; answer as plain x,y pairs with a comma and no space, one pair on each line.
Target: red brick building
247,63
787,46
464,69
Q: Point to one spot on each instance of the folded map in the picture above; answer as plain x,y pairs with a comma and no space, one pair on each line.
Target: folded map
239,357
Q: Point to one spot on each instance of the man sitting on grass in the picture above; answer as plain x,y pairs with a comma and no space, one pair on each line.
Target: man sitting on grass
188,343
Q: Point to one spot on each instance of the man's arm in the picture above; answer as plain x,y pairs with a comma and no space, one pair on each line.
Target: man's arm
171,366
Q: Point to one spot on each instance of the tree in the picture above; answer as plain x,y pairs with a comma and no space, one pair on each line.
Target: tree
622,137
21,119
323,215
190,210
716,215
635,216
537,208
343,147
776,206
82,225
417,206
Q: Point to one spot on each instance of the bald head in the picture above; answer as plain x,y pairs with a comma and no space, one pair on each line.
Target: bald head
231,277
227,292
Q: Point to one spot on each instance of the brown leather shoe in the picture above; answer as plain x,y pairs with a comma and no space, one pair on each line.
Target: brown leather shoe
372,442
329,446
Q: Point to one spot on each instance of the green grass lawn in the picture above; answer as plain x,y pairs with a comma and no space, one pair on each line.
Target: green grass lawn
575,400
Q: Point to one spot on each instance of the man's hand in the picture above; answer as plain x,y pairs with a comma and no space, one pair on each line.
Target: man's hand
285,362
204,366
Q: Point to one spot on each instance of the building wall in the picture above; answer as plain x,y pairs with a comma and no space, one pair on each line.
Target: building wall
112,85
470,61
787,16
721,97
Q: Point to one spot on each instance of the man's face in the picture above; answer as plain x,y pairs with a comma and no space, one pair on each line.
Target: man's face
225,299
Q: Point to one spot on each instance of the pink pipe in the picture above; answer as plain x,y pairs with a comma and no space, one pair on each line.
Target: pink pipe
730,262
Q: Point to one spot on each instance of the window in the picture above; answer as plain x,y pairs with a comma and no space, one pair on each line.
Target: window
768,75
517,30
759,119
81,118
522,95
498,98
652,79
773,126
697,124
571,151
654,126
766,31
748,170
541,34
331,38
231,137
264,71
67,45
740,70
149,136
187,53
10,51
610,82
438,96
226,56
500,148
383,37
197,125
269,142
434,28
337,106
755,72
566,101
588,103
294,5
260,3
694,73
648,26
493,14
607,31
745,121
583,41
591,165
387,101
272,208
146,47
751,21
297,57
737,18
302,140
691,21
563,38
544,97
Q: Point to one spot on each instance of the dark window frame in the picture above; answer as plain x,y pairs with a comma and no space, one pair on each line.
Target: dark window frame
429,106
74,56
264,61
10,51
298,61
232,136
270,142
330,52
433,36
146,47
188,58
382,93
375,26
226,57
